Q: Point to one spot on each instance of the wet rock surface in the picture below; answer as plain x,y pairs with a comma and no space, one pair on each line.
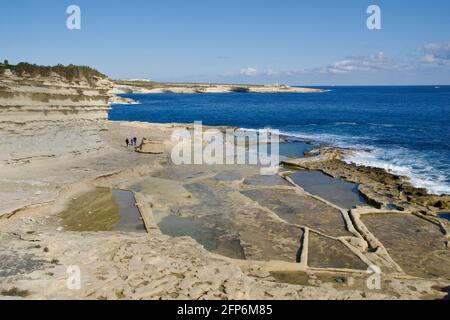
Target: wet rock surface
14,263
301,210
416,244
330,253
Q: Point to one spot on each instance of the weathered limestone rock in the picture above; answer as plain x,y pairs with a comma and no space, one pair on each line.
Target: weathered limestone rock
48,117
148,87
151,147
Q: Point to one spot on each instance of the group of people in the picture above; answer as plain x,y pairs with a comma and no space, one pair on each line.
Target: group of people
131,142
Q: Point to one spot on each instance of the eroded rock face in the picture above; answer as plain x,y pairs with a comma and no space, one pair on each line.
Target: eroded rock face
42,117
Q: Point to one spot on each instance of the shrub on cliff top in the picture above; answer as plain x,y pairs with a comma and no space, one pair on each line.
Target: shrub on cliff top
70,72
239,89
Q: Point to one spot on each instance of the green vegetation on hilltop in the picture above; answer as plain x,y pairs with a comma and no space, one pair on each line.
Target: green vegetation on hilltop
70,72
142,84
239,89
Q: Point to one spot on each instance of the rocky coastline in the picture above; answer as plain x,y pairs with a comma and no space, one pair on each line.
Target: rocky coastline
275,240
147,87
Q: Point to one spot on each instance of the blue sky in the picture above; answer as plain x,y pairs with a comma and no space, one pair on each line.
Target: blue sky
321,42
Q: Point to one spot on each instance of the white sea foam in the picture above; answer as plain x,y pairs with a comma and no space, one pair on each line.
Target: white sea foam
385,125
134,102
399,161
345,123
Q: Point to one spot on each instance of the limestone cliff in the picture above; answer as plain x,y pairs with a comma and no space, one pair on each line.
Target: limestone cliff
149,87
51,113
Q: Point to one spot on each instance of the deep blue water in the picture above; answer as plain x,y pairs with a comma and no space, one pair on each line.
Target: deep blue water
403,129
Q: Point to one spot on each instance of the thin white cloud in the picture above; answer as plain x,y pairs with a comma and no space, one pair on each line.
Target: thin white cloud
432,54
254,72
345,66
373,63
249,72
436,53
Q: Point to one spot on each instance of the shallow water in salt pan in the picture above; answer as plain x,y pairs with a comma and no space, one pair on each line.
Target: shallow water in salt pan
341,193
445,216
130,217
210,238
103,209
